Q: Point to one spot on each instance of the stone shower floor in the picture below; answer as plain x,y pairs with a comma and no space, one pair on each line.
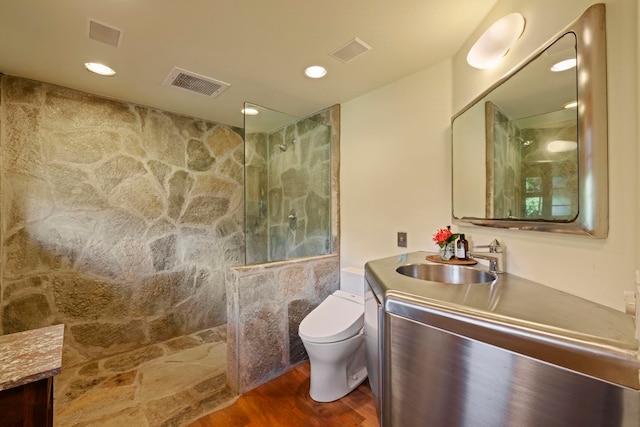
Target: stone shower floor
165,384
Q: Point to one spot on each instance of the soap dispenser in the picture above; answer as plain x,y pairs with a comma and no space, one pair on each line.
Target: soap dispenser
462,248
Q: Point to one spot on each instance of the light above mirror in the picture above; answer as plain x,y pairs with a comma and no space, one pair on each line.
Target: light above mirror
496,41
524,156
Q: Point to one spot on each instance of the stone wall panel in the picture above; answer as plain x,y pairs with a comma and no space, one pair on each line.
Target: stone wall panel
232,169
180,185
96,196
29,311
115,225
66,109
33,284
263,332
21,146
164,253
162,141
134,259
233,249
160,170
203,208
223,141
85,146
117,169
198,157
266,304
24,91
28,197
201,247
139,195
297,310
98,339
38,249
189,127
98,260
72,189
83,298
158,294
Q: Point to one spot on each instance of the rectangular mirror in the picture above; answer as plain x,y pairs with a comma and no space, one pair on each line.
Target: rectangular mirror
531,152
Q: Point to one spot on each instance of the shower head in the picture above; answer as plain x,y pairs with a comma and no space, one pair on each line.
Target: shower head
284,146
524,142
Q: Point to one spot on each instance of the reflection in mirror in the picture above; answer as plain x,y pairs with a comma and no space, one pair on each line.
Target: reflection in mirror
531,152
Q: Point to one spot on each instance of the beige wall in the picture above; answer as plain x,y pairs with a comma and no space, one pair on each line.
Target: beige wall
395,173
385,191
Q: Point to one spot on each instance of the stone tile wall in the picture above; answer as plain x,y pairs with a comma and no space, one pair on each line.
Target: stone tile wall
256,198
300,182
117,220
506,169
297,179
266,305
538,161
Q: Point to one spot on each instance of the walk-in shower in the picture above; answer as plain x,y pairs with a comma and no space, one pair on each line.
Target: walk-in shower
287,185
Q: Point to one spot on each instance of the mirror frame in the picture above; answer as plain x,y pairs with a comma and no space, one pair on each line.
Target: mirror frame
593,185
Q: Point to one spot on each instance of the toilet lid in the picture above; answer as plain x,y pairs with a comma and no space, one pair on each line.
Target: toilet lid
335,319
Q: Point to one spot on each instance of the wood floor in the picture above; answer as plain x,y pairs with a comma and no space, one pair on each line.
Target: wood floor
285,402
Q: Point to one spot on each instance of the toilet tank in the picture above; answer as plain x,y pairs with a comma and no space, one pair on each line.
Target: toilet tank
352,280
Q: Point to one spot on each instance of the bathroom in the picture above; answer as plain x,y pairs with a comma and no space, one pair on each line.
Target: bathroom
404,124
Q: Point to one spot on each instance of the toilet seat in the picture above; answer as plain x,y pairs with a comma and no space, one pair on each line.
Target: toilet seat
337,318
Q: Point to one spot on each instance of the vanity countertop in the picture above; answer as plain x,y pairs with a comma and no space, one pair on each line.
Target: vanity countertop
30,356
516,314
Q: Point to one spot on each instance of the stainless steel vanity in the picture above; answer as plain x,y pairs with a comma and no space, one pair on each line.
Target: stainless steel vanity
509,352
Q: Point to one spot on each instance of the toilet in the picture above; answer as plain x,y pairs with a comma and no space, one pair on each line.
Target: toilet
333,336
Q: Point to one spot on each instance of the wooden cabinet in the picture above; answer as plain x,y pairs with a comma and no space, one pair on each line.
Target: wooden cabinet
28,405
28,362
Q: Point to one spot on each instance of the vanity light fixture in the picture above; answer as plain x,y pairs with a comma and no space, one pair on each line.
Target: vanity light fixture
496,41
315,71
572,104
249,111
101,69
564,65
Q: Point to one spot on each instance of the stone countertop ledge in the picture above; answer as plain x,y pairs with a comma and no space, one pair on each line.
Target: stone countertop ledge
29,356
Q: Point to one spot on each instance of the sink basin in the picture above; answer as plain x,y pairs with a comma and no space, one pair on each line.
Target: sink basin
451,274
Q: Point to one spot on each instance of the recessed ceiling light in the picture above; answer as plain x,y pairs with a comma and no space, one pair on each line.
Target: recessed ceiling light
496,41
560,146
98,68
250,111
315,71
572,104
563,65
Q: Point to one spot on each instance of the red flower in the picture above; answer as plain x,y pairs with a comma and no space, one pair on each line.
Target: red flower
444,236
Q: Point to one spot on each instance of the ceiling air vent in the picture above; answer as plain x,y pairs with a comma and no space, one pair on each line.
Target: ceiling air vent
104,33
193,82
351,50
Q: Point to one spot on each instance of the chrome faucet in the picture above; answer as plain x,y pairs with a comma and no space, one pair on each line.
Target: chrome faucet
496,255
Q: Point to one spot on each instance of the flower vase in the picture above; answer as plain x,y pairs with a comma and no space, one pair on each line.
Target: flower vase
447,251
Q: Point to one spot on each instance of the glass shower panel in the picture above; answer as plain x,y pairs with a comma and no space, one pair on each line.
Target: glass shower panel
287,185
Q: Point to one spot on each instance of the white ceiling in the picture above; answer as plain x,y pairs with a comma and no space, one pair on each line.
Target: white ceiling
260,47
